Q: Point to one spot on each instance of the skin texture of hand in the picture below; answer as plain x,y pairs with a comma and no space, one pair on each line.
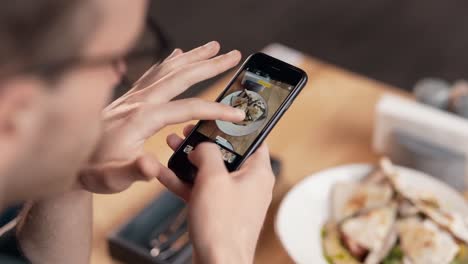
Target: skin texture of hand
128,122
226,210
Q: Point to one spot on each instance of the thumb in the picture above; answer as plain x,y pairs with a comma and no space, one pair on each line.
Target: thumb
207,158
167,178
116,176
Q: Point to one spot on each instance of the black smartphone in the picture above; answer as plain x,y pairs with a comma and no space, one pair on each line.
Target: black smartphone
263,87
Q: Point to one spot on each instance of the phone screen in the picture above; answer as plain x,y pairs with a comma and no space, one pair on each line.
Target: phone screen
259,89
259,96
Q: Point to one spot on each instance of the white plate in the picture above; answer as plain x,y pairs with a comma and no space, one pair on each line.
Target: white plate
235,130
305,208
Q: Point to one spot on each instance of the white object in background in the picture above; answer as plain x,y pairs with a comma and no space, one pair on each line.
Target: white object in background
306,207
424,138
284,53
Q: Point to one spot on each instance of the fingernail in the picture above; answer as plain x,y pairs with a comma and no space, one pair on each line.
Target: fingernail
210,44
239,112
232,52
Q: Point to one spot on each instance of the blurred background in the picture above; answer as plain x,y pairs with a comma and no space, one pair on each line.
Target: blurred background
394,41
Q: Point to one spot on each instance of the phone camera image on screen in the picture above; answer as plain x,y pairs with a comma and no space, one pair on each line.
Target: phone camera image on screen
259,96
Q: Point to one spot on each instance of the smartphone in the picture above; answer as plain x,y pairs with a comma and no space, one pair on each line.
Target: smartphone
263,87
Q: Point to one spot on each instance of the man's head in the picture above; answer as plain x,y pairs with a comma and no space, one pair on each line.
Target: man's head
50,120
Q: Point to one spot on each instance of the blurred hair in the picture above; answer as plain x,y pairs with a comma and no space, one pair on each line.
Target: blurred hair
38,32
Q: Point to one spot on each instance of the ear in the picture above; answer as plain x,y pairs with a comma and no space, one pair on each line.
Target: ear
20,102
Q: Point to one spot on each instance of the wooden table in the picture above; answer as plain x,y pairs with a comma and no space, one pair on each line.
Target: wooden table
330,124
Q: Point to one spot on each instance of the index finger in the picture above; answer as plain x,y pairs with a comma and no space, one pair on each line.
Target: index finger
154,117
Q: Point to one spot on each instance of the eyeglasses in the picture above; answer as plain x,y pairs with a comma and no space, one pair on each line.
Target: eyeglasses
151,47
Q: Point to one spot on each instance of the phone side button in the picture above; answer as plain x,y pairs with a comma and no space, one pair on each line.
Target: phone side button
288,105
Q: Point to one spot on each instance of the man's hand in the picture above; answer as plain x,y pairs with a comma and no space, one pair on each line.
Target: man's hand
119,159
226,210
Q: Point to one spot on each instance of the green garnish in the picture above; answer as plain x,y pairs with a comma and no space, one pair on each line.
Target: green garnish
394,257
462,256
323,232
329,259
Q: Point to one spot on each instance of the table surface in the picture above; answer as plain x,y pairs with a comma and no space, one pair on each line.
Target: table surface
330,124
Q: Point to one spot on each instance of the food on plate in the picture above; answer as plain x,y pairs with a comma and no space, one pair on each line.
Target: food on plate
253,106
424,242
379,220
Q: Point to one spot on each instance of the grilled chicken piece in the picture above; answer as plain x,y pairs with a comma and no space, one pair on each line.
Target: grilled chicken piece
429,206
340,194
357,251
450,221
333,248
407,208
350,198
423,242
376,256
376,176
372,231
